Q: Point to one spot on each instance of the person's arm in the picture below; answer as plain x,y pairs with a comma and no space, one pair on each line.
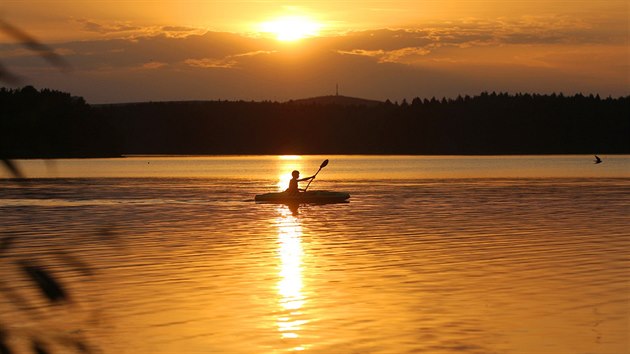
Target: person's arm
306,178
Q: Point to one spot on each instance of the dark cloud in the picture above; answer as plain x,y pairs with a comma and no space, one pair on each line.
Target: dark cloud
272,76
92,26
176,44
126,53
177,29
436,60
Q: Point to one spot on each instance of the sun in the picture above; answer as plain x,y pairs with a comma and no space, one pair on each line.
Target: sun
291,28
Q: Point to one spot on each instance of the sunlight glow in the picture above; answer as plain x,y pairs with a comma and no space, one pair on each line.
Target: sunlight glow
291,28
288,164
283,181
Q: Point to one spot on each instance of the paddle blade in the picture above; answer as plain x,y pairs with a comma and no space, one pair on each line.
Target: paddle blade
324,164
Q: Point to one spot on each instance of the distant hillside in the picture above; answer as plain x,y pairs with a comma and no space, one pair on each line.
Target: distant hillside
336,100
51,124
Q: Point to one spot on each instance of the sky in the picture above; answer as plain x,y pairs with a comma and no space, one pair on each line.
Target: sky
129,51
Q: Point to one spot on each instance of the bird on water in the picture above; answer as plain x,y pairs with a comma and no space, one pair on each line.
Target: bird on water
597,159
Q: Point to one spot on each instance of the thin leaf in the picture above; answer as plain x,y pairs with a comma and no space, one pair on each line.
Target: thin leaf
4,348
8,76
6,243
78,345
38,347
108,233
34,45
17,299
15,171
49,286
82,347
75,263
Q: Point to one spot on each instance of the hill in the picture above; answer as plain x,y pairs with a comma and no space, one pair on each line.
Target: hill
336,100
40,124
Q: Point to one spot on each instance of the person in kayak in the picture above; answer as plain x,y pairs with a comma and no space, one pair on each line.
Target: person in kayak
293,183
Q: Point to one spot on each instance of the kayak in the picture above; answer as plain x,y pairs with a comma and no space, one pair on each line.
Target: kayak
303,197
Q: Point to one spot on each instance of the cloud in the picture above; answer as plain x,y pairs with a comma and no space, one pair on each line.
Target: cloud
218,49
402,56
411,46
210,63
363,52
177,29
127,30
227,62
526,30
93,26
538,54
153,65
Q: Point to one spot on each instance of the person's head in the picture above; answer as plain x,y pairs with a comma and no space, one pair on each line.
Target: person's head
295,174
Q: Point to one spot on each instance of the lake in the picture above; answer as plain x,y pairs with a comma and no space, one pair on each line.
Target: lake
433,254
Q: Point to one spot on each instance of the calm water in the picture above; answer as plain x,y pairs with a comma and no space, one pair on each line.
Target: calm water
431,255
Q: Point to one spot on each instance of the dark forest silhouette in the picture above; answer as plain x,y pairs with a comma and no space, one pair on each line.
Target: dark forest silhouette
52,124
49,123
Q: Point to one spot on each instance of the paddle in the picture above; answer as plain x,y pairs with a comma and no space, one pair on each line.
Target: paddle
320,168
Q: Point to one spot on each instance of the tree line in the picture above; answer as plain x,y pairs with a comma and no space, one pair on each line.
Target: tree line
49,123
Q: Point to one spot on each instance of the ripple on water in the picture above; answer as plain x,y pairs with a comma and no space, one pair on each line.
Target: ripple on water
440,266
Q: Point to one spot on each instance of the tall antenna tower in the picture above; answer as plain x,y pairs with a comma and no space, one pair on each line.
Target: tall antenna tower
337,90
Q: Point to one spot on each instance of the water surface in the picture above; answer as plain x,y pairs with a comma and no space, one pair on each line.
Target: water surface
432,254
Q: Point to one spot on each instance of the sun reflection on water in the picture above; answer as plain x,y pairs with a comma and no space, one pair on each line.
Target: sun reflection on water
290,285
289,157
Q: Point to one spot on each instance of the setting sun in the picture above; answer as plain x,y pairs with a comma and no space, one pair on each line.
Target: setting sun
291,28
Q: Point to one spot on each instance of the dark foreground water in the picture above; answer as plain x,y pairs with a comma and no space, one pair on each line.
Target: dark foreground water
443,257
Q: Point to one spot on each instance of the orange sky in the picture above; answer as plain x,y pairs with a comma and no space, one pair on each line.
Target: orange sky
174,50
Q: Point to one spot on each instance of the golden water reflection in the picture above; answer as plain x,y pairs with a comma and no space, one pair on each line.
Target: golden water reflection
290,285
